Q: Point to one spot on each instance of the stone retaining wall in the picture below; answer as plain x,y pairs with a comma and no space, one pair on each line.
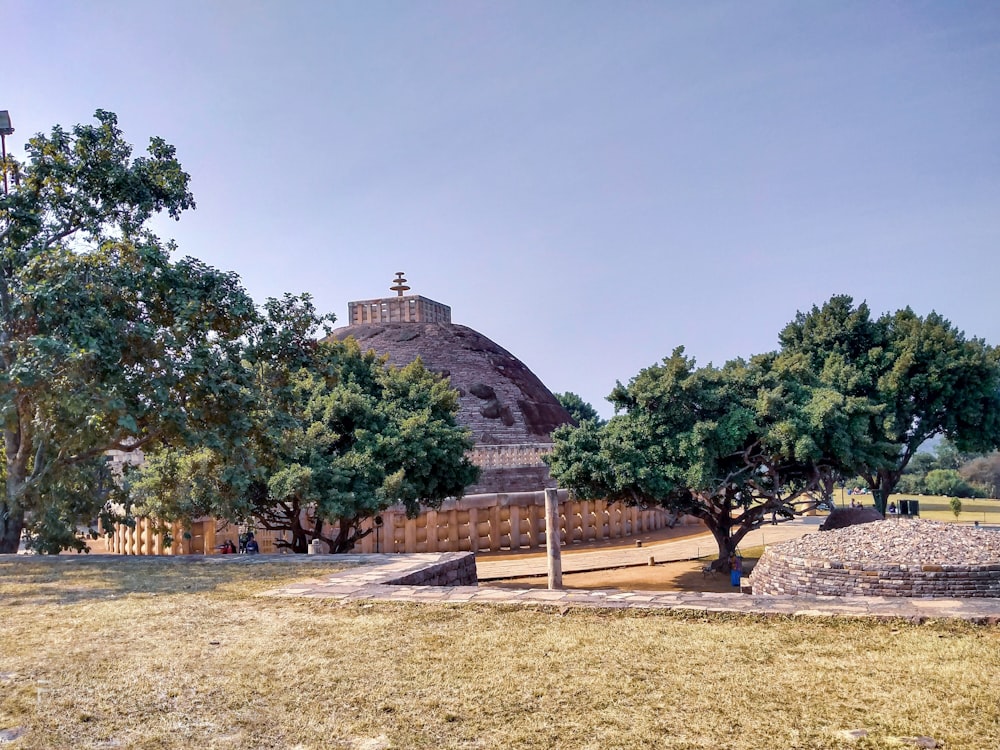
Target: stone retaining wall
778,573
451,569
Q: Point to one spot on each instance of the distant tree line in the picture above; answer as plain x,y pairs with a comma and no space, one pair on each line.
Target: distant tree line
948,471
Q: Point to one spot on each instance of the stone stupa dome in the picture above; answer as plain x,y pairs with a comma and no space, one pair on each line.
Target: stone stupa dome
509,411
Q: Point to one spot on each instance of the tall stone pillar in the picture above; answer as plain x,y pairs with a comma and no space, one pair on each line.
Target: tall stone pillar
552,538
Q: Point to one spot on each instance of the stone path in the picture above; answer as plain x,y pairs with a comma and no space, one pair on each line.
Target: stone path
374,580
687,548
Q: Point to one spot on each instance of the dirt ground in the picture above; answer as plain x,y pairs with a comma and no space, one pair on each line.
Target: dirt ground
675,576
651,537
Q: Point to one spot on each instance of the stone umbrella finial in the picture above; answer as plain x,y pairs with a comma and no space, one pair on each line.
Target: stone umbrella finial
400,284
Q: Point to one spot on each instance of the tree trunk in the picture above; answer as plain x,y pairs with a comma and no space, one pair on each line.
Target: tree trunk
12,511
11,525
725,538
886,481
342,542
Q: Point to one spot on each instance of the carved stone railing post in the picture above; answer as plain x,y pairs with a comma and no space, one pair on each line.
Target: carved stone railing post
552,538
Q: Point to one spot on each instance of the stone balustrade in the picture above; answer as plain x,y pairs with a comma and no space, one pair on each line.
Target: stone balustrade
474,523
513,521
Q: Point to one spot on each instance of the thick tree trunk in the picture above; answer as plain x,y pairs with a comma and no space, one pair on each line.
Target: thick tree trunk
886,481
726,549
12,511
11,525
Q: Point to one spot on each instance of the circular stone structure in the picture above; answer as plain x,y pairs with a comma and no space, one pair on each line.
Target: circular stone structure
903,557
508,410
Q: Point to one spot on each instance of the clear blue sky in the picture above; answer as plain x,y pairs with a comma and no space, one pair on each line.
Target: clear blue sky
590,184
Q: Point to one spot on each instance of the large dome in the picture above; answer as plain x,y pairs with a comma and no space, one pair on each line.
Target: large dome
509,411
502,401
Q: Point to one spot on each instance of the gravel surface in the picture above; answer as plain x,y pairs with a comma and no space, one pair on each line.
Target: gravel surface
903,541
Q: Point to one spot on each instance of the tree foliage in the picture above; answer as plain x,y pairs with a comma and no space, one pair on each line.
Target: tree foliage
984,472
581,411
922,377
105,342
846,395
729,445
346,438
948,482
964,472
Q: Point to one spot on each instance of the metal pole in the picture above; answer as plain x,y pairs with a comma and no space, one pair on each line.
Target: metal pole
5,130
3,141
553,542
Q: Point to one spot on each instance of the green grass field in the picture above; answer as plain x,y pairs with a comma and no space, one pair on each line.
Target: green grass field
162,654
936,507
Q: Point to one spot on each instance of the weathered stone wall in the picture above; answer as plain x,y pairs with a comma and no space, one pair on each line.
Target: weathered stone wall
904,557
784,574
500,400
451,569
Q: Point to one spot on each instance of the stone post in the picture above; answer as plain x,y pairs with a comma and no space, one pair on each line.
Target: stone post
552,538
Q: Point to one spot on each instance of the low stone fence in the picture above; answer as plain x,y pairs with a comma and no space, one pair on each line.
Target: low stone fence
475,523
513,521
903,558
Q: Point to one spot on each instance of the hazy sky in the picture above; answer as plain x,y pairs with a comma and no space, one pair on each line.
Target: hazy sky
589,184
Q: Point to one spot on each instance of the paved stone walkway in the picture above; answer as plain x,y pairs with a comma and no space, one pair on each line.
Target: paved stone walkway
687,548
372,581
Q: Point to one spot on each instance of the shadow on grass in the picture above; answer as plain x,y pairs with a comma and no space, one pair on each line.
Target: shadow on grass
68,580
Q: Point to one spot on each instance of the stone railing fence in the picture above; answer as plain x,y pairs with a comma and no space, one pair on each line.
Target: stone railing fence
511,521
474,523
509,456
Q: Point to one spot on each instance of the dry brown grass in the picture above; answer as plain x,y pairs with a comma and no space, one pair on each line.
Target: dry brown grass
108,654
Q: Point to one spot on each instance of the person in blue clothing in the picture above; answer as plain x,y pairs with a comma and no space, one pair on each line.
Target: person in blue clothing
252,547
735,569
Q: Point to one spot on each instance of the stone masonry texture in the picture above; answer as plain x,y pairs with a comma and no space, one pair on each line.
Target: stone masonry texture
500,400
902,557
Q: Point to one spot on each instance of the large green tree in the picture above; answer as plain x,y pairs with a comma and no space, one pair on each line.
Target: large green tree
921,376
349,437
729,445
105,342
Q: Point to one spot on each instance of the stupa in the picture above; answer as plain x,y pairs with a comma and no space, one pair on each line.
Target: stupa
509,411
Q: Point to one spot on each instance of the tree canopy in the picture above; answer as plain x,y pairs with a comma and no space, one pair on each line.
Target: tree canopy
730,445
581,411
921,375
349,438
105,342
846,395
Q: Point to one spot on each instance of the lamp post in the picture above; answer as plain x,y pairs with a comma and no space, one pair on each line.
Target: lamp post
5,130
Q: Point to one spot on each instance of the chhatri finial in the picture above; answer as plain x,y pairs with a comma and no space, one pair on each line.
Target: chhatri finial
400,285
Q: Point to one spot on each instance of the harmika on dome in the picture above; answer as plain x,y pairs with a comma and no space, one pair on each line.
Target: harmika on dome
509,411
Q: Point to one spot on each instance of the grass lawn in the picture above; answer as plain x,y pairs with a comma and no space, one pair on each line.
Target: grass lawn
162,653
936,507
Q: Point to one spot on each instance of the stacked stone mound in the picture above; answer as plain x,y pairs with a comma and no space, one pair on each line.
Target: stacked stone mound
841,518
508,409
888,558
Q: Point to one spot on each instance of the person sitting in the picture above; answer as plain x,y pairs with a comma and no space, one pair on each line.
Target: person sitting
252,547
892,508
735,569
